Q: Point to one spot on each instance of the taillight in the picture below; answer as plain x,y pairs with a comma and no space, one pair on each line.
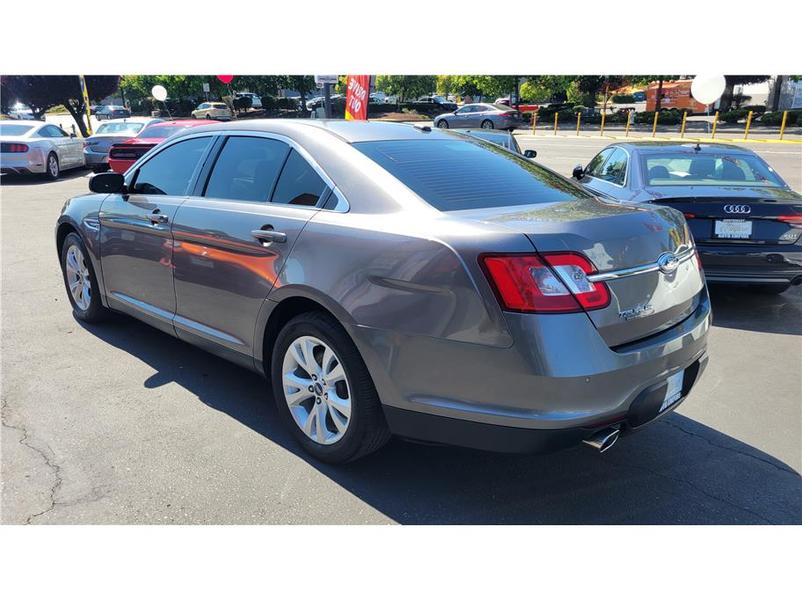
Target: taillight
689,215
551,283
793,220
8,147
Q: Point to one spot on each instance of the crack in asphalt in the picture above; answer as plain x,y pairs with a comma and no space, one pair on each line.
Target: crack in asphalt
735,450
51,463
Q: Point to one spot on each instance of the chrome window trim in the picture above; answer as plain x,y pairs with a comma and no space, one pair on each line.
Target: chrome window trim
626,170
683,253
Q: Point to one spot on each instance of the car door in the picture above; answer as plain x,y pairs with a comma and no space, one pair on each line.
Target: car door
610,177
136,243
60,144
233,237
462,117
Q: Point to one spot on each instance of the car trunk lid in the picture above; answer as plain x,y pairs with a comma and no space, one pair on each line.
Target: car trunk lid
624,243
738,216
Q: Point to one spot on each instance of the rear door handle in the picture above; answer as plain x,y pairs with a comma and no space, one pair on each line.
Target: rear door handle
157,218
268,236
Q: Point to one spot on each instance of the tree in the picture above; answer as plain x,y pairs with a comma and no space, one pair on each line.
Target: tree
42,92
406,86
476,85
303,84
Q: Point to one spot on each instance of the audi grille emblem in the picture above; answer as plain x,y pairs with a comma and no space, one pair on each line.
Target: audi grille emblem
737,209
668,263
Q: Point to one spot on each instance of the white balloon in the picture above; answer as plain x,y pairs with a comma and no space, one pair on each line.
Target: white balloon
159,92
708,88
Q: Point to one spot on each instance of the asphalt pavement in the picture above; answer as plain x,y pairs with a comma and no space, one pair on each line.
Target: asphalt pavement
119,423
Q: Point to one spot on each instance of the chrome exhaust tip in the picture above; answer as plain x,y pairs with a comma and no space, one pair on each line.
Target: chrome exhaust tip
603,440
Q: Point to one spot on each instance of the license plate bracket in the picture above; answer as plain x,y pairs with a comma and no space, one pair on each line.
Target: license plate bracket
733,229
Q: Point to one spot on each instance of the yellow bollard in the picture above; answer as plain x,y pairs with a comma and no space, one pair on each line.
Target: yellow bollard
555,122
748,123
534,122
578,119
630,118
654,125
682,130
601,131
715,124
782,125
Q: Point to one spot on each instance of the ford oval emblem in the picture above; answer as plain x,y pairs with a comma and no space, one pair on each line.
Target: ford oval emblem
668,262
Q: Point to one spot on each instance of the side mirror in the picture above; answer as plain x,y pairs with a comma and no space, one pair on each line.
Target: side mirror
530,153
72,135
107,183
579,172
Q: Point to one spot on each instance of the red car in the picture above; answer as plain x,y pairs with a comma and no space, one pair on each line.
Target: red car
125,154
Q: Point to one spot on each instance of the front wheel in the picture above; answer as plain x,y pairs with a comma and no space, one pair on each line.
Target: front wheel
442,124
324,392
487,124
209,117
80,280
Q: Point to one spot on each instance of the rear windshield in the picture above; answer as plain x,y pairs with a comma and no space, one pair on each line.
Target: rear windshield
707,169
14,129
467,174
161,131
125,128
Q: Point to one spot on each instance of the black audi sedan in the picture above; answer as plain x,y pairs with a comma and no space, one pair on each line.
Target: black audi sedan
746,220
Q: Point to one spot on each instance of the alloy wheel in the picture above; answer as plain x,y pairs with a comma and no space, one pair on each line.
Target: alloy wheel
52,166
316,390
78,278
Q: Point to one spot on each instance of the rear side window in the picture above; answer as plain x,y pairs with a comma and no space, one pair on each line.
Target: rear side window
466,174
169,172
299,183
615,169
247,169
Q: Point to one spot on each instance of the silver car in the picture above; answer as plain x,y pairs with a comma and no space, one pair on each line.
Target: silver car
38,147
486,116
397,279
115,131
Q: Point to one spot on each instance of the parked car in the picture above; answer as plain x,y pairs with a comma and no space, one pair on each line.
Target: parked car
391,279
115,131
505,139
111,111
256,101
639,96
212,110
746,220
38,147
125,154
317,101
486,116
21,111
439,101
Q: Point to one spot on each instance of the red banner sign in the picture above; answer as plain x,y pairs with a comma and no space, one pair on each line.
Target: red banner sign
356,97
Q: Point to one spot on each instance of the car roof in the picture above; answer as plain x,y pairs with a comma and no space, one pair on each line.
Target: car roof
647,147
128,120
181,122
348,131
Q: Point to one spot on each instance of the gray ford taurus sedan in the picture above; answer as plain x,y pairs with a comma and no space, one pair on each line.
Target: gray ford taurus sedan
391,279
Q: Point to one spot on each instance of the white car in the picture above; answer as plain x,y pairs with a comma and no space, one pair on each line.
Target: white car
21,111
38,147
212,110
256,101
114,131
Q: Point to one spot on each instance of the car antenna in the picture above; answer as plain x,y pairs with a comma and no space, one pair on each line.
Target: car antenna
422,127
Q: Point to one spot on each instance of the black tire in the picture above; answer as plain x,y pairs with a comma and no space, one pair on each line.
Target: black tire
52,167
99,168
95,312
442,124
488,124
367,429
771,288
208,117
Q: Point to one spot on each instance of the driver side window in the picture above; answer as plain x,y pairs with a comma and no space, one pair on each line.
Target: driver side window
169,172
594,168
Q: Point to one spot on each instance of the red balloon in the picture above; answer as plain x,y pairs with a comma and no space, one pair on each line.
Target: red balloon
226,78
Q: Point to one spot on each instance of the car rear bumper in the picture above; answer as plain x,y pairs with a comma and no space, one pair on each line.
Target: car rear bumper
120,166
764,264
22,162
94,159
560,382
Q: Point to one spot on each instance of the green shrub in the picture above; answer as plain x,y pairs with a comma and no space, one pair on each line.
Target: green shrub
758,109
732,116
775,118
623,98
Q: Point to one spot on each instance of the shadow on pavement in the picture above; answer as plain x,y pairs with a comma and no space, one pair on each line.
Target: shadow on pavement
11,179
675,471
738,307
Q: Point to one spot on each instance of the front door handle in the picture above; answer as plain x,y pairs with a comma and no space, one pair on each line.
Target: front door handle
267,236
157,218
